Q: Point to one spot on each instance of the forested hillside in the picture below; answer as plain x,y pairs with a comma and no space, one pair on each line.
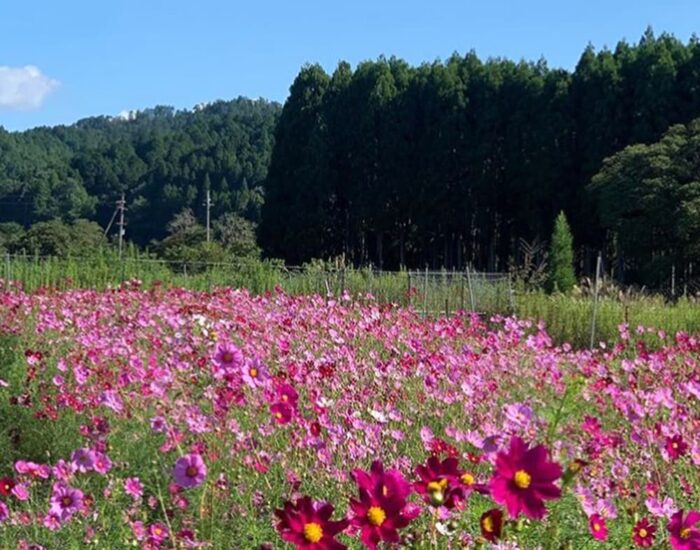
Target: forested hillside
163,160
456,161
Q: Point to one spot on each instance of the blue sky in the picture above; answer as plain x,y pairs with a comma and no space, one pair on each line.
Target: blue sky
62,60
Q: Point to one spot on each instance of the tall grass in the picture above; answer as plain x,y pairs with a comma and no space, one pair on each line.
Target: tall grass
567,318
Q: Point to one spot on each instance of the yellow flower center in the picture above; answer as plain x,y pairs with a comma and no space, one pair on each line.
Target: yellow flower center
643,533
285,398
385,490
437,486
468,479
596,527
487,524
253,372
575,467
313,532
674,445
522,479
278,415
376,516
685,533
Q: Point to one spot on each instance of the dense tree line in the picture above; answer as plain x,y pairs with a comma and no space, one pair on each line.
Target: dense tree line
649,200
454,162
163,160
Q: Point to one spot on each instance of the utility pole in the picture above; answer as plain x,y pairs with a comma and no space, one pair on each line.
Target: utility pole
208,205
121,206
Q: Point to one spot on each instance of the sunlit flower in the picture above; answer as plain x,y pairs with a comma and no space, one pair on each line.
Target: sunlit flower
308,526
524,479
643,533
684,533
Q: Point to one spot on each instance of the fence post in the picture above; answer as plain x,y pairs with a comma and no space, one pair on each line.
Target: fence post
425,293
595,298
511,295
471,290
7,269
409,300
673,281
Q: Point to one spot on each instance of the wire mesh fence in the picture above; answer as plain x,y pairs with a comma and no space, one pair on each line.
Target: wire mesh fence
429,292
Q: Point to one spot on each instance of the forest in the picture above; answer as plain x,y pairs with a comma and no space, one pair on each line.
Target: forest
459,161
445,164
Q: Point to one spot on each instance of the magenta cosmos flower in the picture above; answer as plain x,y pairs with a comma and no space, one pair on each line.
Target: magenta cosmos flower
684,533
65,501
228,356
189,471
282,413
524,479
381,509
308,525
675,447
440,482
598,527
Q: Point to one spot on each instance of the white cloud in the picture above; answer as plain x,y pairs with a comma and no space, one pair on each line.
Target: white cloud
24,88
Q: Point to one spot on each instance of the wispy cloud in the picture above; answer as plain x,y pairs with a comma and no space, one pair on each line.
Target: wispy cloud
24,88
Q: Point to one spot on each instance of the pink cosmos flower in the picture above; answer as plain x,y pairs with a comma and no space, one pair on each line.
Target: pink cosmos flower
20,492
684,533
524,479
661,508
65,501
133,487
83,460
159,424
158,532
254,373
228,356
190,471
4,512
102,463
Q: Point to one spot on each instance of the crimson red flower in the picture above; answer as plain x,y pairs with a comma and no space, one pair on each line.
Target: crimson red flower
281,412
675,447
6,486
598,527
491,524
524,479
308,526
643,533
439,482
381,508
684,534
381,482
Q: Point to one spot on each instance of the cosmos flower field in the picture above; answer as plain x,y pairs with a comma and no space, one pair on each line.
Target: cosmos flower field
168,418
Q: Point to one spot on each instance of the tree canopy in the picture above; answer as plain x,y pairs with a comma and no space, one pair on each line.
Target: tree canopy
455,162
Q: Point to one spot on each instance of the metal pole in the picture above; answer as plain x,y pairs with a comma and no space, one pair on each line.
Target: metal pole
595,298
208,214
120,204
471,290
425,293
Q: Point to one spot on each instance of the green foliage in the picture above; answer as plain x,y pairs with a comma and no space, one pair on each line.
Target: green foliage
237,236
561,257
162,160
452,163
649,197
